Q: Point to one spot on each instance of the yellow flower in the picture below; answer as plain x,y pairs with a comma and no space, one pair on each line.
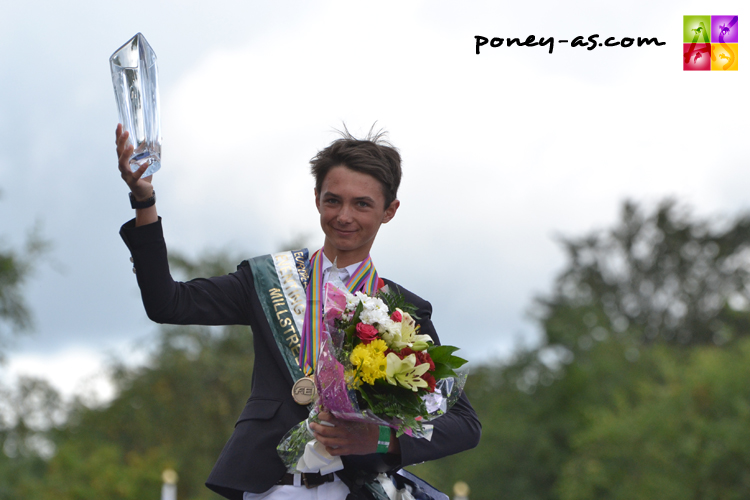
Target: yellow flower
369,362
378,345
359,355
374,369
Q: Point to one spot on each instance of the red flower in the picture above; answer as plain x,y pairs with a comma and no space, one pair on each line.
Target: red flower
405,352
427,377
422,357
381,283
396,316
366,333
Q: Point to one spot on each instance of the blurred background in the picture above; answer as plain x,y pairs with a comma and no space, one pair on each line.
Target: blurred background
579,221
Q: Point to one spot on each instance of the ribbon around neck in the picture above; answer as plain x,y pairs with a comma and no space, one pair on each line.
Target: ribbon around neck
364,279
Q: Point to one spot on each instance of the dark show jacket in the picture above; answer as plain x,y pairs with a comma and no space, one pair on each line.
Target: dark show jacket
249,461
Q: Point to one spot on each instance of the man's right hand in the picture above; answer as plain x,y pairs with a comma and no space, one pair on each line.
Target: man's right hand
139,186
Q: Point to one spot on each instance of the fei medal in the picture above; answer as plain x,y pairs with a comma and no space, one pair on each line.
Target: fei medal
304,391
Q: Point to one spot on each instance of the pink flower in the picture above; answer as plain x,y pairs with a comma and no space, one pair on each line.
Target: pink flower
366,333
396,316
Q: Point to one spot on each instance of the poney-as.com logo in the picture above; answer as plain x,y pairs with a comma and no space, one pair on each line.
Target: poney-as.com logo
710,43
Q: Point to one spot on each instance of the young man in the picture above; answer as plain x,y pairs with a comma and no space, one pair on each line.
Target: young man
356,183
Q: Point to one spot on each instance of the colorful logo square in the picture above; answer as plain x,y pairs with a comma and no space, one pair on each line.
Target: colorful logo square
710,43
696,56
724,56
695,29
724,29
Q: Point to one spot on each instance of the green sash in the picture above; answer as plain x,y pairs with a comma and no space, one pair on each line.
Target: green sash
280,282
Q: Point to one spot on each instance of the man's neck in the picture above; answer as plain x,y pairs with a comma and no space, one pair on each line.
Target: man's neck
343,258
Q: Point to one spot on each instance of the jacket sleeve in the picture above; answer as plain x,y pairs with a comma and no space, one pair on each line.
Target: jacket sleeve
459,429
214,301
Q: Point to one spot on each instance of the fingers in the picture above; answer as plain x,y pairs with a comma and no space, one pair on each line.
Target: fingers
346,438
335,441
124,150
139,185
141,170
327,431
120,135
123,144
123,162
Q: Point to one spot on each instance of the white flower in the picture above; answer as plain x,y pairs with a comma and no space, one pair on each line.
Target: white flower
392,336
373,316
351,302
409,331
374,310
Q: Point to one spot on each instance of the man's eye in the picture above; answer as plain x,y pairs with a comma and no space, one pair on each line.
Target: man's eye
363,204
331,201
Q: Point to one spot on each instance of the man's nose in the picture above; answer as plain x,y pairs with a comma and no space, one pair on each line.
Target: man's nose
345,214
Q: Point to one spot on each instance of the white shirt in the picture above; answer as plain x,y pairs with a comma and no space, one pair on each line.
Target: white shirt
344,272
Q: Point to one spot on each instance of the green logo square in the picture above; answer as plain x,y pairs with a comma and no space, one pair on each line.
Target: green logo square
696,29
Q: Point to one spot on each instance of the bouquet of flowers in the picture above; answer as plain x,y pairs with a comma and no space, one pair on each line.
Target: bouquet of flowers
375,366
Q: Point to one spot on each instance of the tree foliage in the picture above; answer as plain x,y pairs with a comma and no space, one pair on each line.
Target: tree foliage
663,276
177,410
16,266
639,388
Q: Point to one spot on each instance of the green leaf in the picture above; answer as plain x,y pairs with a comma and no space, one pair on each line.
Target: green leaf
443,371
440,353
444,354
456,362
395,300
357,312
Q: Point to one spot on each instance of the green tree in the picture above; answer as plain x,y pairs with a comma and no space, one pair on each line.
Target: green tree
16,266
26,410
683,434
177,411
27,413
587,413
663,276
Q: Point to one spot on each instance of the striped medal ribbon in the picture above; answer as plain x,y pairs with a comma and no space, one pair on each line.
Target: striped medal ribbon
364,279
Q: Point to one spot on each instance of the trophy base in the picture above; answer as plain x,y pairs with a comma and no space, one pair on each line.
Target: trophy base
154,164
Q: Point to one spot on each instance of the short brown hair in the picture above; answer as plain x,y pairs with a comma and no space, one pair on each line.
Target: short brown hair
372,155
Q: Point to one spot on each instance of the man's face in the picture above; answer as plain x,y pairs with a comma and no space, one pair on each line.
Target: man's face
352,208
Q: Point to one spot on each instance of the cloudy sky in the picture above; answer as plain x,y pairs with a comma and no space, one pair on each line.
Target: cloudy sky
502,151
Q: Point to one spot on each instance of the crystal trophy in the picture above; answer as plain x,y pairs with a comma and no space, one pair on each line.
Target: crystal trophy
136,83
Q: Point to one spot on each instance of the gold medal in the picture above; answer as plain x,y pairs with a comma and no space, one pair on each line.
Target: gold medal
303,391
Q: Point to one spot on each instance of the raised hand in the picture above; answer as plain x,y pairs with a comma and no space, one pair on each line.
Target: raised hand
139,186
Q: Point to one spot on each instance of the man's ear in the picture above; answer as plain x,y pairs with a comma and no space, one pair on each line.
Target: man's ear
390,212
317,199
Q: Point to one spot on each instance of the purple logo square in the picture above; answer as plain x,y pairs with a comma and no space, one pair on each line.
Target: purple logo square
724,29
